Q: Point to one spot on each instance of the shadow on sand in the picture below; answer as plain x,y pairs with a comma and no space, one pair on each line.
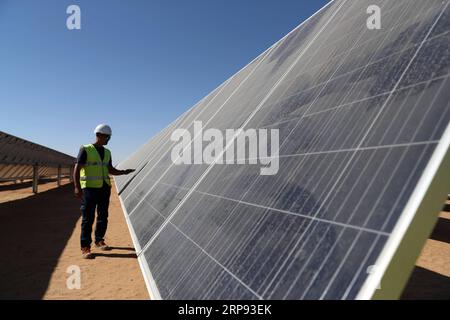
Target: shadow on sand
115,255
427,285
35,231
26,184
441,231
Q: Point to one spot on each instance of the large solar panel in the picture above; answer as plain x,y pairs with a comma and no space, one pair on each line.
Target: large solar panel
363,118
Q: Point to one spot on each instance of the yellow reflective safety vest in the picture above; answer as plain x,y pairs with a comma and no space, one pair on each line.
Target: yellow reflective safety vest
95,171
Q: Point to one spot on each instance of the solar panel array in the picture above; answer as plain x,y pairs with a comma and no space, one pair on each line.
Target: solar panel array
360,114
18,156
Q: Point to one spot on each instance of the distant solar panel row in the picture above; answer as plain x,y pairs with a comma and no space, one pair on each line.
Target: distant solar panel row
18,156
361,114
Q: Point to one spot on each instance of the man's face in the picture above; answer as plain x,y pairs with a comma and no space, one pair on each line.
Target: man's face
103,138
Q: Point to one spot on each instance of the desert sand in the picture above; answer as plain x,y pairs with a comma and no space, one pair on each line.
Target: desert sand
40,241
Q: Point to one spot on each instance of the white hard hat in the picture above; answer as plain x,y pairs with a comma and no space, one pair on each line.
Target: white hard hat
103,129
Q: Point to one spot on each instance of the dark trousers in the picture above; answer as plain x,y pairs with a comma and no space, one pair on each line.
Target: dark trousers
94,198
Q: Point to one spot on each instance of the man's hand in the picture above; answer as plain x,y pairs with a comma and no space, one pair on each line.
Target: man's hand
78,192
128,171
117,172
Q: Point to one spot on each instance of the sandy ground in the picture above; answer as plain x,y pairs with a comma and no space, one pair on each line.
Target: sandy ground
10,191
40,241
431,276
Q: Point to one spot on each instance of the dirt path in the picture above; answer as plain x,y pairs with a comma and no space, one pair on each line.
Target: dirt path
40,241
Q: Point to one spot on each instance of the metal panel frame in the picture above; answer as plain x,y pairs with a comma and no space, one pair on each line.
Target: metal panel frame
399,255
148,278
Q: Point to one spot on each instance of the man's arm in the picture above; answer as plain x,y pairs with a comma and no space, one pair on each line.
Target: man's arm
116,172
113,171
81,161
76,180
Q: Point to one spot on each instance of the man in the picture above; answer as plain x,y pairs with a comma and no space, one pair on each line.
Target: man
93,186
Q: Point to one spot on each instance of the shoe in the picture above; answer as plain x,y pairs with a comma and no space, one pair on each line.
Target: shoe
86,253
102,245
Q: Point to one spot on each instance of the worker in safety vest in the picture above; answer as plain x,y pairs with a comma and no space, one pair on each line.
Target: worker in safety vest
93,186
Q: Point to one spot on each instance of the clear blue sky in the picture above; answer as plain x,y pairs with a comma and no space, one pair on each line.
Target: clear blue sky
135,64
